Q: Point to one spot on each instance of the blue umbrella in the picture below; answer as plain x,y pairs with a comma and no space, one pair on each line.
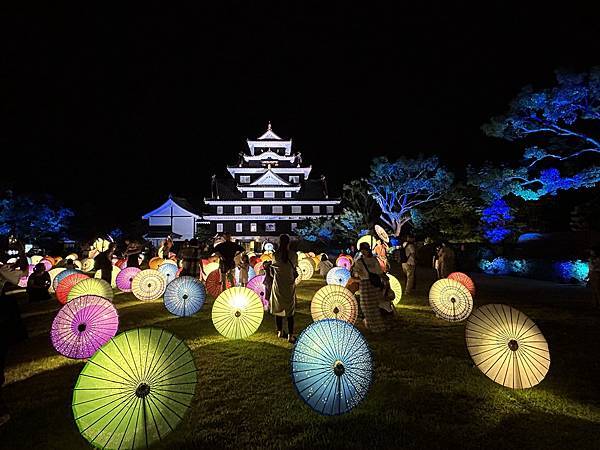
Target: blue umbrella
65,273
169,270
339,276
332,366
184,296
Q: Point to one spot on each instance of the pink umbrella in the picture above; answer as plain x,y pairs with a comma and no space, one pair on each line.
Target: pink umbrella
344,262
125,278
257,284
47,264
23,280
84,325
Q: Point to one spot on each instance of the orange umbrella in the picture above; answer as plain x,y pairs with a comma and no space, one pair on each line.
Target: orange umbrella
66,284
155,263
213,284
465,280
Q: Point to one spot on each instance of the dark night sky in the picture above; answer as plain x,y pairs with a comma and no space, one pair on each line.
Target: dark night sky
172,94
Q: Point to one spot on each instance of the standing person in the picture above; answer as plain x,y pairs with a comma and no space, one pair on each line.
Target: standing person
132,253
594,275
190,259
38,284
12,329
244,267
436,261
325,265
226,251
366,270
409,267
165,248
446,258
283,294
103,262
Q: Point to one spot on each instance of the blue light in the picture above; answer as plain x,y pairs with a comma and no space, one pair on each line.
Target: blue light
526,237
497,266
572,270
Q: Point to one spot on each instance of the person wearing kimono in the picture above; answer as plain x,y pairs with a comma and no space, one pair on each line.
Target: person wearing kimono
282,302
370,295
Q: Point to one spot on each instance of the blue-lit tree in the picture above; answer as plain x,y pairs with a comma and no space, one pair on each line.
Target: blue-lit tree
558,120
31,218
400,186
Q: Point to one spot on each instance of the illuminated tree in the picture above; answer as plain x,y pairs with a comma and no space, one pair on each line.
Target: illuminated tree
400,186
31,218
558,120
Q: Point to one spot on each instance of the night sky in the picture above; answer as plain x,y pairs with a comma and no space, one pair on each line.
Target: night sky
113,109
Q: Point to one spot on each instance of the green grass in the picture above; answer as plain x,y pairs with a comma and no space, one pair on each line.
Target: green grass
426,392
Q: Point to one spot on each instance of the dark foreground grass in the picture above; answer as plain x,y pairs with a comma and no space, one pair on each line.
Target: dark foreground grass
426,392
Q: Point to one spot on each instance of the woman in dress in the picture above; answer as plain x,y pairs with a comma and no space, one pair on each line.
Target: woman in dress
371,296
283,293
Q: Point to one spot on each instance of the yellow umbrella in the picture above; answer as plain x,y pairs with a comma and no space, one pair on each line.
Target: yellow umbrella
334,302
507,346
396,287
91,286
305,269
87,264
155,263
450,300
371,240
237,312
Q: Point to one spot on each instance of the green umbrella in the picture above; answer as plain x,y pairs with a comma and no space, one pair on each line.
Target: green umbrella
135,389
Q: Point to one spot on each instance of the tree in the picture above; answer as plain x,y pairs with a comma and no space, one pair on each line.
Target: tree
317,230
32,218
401,186
559,120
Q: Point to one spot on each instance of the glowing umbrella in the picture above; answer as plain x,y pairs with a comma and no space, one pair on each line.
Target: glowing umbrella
507,346
465,280
211,267
257,284
382,234
259,268
121,263
450,300
84,325
58,276
237,313
266,257
332,366
125,278
113,276
66,284
155,263
47,264
334,302
87,265
344,261
35,259
101,245
91,286
338,275
396,287
213,284
57,259
254,260
72,256
305,269
148,285
184,296
269,247
23,280
169,271
78,264
51,260
135,390
368,239
53,274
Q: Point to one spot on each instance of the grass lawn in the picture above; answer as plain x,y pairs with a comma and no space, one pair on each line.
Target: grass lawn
426,392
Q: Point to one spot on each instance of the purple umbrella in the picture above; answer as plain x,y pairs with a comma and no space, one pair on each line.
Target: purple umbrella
84,325
125,278
257,284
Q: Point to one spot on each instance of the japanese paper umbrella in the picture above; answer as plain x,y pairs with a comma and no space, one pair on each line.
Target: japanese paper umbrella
84,325
169,271
87,265
507,346
53,274
331,366
135,390
306,269
450,300
343,261
381,233
148,285
113,276
396,287
463,279
91,286
125,278
338,275
334,302
213,283
58,277
47,264
257,284
155,262
184,296
237,312
66,284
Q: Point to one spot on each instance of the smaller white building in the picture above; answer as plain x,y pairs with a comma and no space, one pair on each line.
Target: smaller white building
174,218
